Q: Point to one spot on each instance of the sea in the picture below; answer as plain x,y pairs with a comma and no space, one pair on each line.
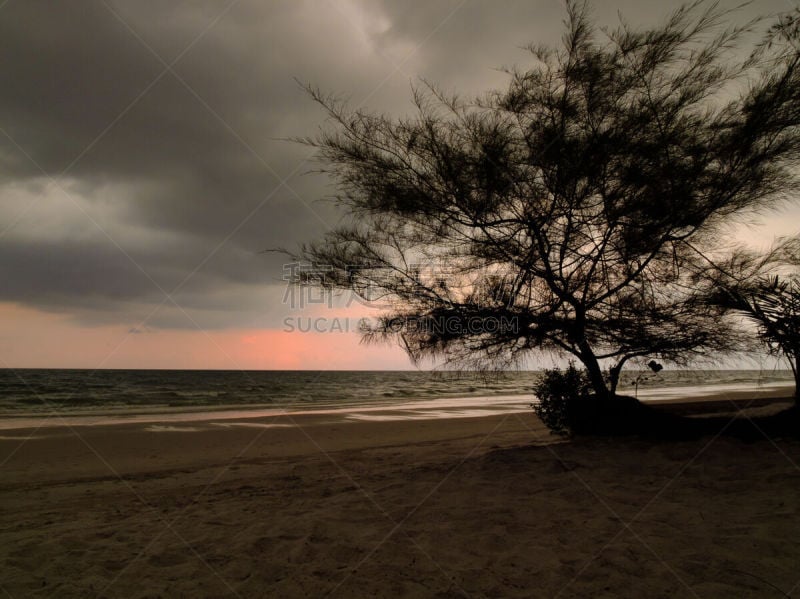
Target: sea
42,392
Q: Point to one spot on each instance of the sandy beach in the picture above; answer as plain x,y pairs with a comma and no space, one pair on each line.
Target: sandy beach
325,505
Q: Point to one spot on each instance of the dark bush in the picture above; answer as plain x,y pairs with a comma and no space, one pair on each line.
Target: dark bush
568,406
559,393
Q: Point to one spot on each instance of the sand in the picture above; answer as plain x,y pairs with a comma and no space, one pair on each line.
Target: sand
320,505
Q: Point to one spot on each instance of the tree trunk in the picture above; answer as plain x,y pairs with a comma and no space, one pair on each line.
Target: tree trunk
613,376
797,381
595,372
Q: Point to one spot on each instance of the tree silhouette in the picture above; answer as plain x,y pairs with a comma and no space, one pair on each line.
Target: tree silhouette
775,305
562,214
772,301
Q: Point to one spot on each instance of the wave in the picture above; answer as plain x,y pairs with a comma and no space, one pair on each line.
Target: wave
66,391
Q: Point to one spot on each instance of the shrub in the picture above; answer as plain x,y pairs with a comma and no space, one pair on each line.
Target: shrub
559,392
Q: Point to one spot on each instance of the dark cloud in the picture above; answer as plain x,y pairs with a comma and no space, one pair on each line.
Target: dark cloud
170,180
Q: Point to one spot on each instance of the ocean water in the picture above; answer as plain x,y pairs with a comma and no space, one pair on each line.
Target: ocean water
34,392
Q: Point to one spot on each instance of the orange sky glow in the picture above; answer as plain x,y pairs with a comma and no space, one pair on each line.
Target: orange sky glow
34,339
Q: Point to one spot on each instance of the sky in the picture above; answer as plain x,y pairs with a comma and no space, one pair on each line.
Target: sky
145,167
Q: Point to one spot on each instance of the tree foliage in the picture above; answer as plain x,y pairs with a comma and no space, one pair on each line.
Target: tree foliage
770,300
570,204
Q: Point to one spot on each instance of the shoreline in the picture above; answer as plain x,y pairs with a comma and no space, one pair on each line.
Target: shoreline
30,451
419,409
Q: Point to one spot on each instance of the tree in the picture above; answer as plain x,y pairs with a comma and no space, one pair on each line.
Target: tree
563,213
774,304
771,301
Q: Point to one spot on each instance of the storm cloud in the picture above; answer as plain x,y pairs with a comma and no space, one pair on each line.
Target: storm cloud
143,161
